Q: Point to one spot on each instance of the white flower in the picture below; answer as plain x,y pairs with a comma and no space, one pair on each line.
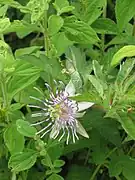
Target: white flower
61,114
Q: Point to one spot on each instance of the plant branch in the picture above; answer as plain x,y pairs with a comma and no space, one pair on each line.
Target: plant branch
2,37
102,35
13,176
4,93
133,33
99,166
43,26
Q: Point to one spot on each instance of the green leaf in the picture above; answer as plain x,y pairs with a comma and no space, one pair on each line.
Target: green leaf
49,66
22,28
80,31
98,70
30,60
57,39
78,172
99,149
25,129
24,96
6,57
55,177
128,124
66,9
128,168
55,149
77,65
124,164
126,51
47,161
58,163
61,3
115,167
54,24
107,127
128,83
13,139
14,4
15,106
24,74
105,26
3,10
4,24
125,70
62,6
27,50
23,82
126,9
23,160
96,83
88,10
77,81
37,9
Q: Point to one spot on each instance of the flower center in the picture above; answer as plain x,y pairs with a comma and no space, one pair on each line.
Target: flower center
61,111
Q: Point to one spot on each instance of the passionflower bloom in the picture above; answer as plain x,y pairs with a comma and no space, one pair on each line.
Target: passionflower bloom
60,114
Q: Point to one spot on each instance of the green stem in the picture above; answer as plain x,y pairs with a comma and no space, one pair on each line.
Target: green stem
4,93
132,147
51,164
110,3
87,156
45,33
118,178
95,172
13,176
133,33
99,166
2,37
102,35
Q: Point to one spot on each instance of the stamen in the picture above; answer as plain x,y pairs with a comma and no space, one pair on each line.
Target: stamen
39,114
76,135
45,133
39,100
58,131
48,87
73,134
44,128
39,91
38,123
67,135
33,106
62,135
62,84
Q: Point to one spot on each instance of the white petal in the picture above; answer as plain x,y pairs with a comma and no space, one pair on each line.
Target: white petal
70,89
84,105
81,130
79,115
54,132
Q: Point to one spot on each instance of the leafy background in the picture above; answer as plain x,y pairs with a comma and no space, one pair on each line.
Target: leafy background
91,43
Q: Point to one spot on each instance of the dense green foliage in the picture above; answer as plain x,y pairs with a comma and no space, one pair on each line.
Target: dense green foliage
91,43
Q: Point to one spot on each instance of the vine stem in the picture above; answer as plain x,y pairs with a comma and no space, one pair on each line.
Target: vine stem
118,178
133,33
13,176
130,150
102,35
95,172
43,26
4,93
2,37
99,166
